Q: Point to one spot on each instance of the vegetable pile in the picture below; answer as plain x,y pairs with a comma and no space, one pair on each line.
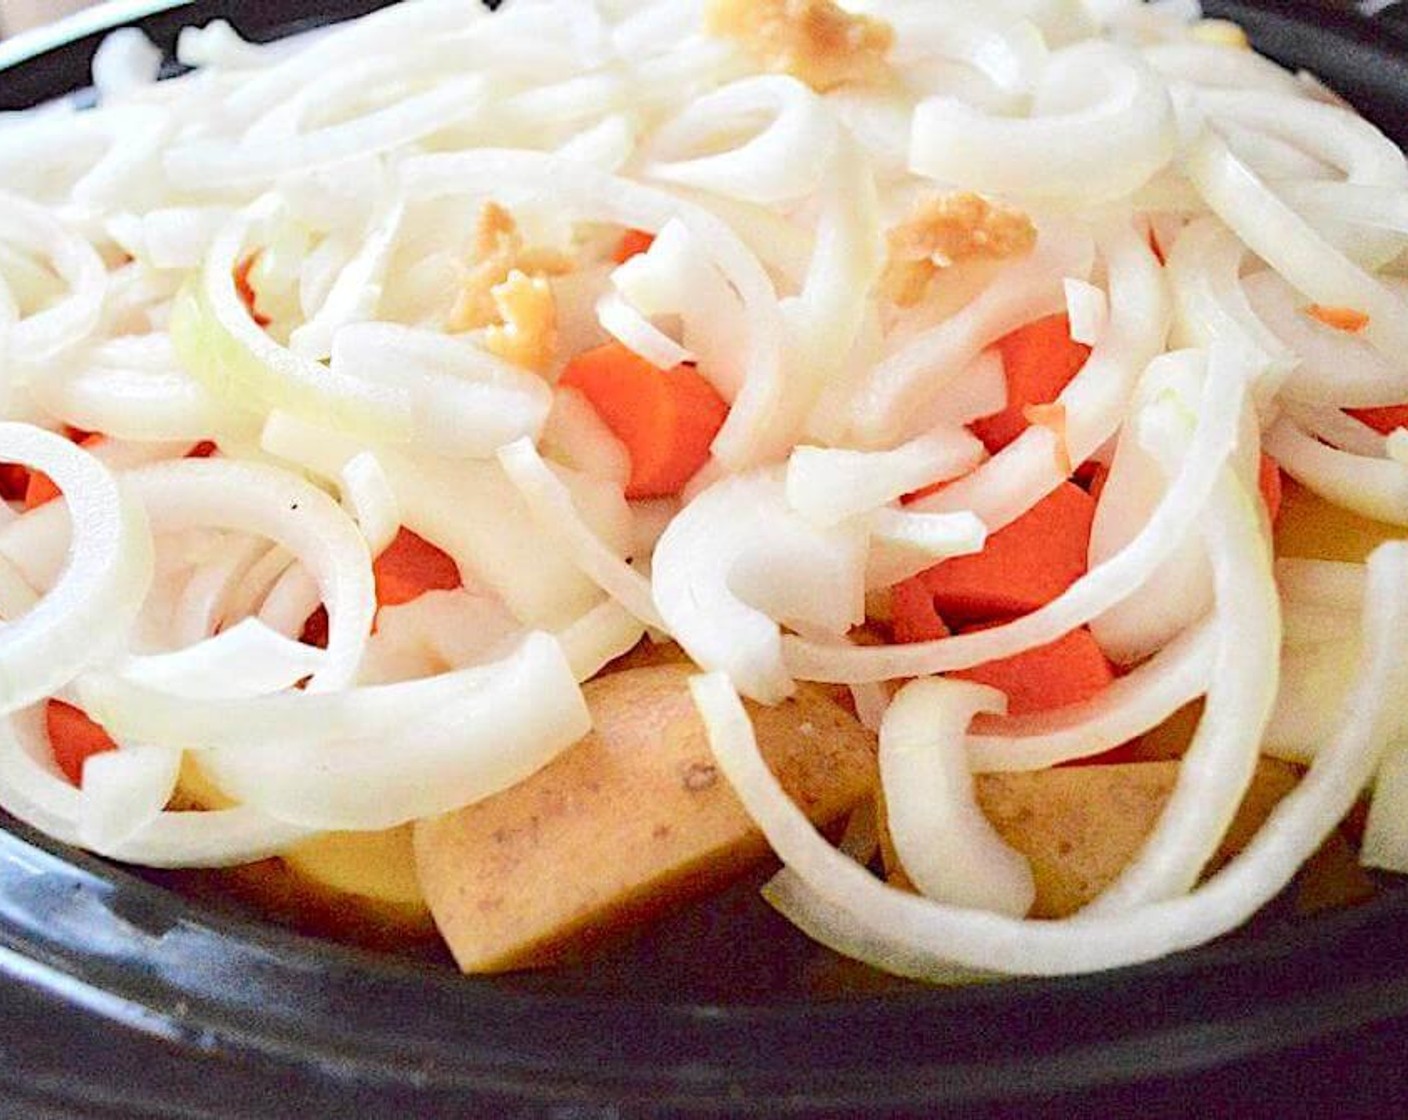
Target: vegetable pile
365,395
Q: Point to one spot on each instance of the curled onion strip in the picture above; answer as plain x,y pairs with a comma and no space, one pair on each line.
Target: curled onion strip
949,849
99,592
1373,488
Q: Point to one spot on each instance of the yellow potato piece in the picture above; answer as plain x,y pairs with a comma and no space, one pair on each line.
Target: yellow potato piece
1311,528
375,865
632,819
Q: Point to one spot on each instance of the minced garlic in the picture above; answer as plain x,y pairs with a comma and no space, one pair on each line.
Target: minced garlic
944,230
507,292
816,41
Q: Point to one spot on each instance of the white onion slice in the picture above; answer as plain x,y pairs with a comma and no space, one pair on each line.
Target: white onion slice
510,719
99,592
948,848
1373,488
1076,146
550,505
372,502
736,561
829,485
248,659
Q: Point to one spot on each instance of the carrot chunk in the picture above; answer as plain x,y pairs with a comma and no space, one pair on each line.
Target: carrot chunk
1068,671
1382,420
1023,566
1345,319
14,481
633,242
40,489
666,418
1039,360
913,617
74,739
409,567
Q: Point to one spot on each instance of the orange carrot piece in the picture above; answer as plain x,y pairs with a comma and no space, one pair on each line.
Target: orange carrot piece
913,617
1269,483
1383,420
1039,361
246,291
409,567
74,739
1068,671
203,450
1345,319
1023,566
1093,476
41,490
633,242
14,481
666,418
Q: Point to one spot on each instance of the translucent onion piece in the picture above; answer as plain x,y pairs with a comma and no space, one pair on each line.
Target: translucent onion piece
1088,310
510,719
35,340
248,659
267,502
1128,707
575,435
99,593
1076,148
918,936
464,401
604,633
903,544
638,334
1332,367
736,561
1287,243
1373,488
1385,842
123,792
830,485
32,792
781,163
948,848
1221,760
550,505
372,502
125,62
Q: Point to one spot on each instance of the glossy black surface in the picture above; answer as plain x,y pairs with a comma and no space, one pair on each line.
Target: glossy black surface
120,999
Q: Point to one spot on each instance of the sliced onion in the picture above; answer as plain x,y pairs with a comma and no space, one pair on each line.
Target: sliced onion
1076,148
738,558
1373,488
550,505
948,848
99,593
829,485
372,502
248,659
903,544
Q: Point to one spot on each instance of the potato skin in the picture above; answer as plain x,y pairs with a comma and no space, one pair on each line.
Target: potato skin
631,820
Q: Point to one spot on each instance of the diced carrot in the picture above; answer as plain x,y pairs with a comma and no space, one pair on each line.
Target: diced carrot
14,481
666,418
1039,360
913,617
41,489
1341,318
74,739
1269,482
1023,566
315,630
1068,671
409,567
632,243
1092,475
1382,420
246,291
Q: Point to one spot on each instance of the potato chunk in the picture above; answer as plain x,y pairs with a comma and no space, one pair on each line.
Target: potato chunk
630,820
